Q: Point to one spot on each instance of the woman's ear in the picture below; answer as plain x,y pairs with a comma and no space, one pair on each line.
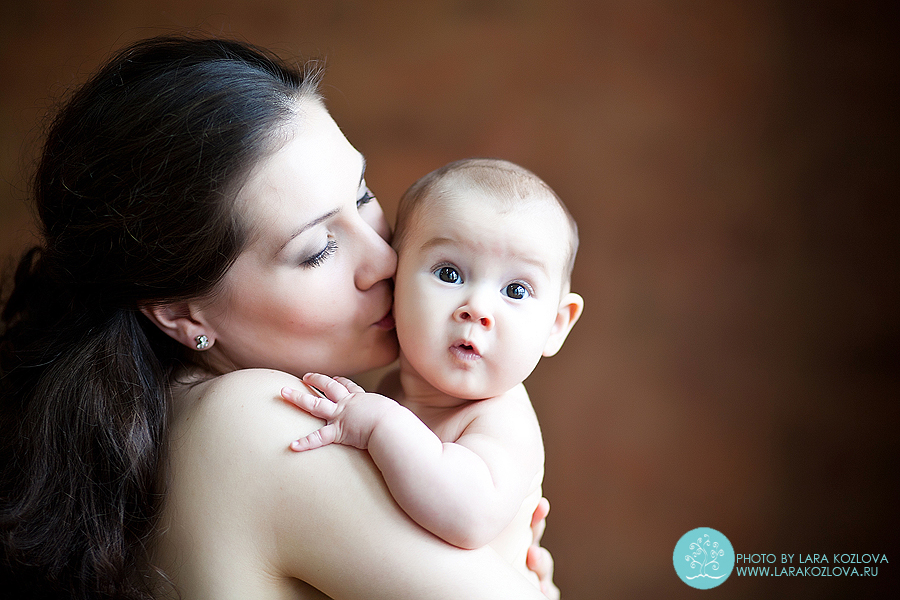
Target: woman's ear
179,321
570,308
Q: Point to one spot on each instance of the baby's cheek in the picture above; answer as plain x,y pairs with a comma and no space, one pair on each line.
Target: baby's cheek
521,358
410,332
411,314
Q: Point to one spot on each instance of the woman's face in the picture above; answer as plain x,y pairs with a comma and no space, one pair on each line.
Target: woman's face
312,291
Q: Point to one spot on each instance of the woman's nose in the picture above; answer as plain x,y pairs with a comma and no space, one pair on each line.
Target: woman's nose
475,310
377,260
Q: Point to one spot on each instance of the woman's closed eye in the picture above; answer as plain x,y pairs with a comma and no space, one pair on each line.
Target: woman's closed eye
366,197
319,257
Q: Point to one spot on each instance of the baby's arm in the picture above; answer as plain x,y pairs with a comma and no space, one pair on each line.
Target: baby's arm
465,492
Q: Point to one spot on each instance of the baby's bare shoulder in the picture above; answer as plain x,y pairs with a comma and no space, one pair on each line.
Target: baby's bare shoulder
511,410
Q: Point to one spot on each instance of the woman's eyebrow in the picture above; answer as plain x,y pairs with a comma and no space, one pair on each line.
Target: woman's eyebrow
326,216
306,226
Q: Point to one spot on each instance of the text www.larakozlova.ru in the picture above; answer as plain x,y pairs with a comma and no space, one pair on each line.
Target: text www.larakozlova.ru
837,570
806,571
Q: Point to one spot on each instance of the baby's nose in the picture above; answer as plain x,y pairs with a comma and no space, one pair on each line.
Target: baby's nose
471,313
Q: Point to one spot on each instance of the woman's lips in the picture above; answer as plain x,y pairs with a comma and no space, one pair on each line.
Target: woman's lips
386,322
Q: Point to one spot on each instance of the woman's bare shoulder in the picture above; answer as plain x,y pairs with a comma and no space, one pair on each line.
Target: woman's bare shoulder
249,382
233,481
230,446
243,406
244,497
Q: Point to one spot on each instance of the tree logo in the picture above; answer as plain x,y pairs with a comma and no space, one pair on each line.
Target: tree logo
703,558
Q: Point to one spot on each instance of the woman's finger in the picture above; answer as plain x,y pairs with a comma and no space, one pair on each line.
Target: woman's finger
540,562
539,520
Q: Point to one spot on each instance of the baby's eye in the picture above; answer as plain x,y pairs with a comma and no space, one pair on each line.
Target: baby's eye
516,291
448,275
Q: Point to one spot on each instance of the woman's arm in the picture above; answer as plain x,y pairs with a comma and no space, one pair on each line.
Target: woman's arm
325,517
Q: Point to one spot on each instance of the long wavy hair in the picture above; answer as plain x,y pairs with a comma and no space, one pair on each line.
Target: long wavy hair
134,195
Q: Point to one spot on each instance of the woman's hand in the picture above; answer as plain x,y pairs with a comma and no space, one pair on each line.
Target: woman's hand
539,560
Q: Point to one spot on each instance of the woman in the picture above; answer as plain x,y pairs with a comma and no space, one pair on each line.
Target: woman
208,235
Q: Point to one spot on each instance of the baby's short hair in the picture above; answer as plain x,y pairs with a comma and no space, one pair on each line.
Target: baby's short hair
499,179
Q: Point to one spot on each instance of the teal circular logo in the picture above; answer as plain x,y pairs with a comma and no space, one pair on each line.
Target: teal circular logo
703,558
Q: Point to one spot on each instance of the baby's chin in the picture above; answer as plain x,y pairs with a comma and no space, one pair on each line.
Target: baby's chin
468,387
469,390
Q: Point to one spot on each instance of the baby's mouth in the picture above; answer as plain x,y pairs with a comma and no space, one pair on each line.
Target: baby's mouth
465,350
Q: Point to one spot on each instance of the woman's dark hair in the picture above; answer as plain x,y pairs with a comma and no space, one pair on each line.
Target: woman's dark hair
135,197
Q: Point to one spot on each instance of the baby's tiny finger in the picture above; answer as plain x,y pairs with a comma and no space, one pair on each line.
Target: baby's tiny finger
351,385
290,394
307,443
314,405
327,385
321,437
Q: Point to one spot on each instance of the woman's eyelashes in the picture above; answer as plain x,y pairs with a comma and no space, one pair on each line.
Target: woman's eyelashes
366,197
331,245
320,257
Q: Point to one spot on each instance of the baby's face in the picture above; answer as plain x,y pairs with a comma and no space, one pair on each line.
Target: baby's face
477,293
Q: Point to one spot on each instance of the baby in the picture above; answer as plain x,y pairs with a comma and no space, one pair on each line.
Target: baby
486,251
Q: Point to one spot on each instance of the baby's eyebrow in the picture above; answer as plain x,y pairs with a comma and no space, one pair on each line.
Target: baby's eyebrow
534,262
438,241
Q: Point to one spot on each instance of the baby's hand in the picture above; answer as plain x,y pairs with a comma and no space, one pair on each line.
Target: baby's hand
350,413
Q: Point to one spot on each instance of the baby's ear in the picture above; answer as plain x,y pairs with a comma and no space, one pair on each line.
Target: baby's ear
570,308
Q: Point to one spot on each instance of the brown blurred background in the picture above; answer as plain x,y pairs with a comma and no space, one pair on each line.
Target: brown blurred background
731,165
